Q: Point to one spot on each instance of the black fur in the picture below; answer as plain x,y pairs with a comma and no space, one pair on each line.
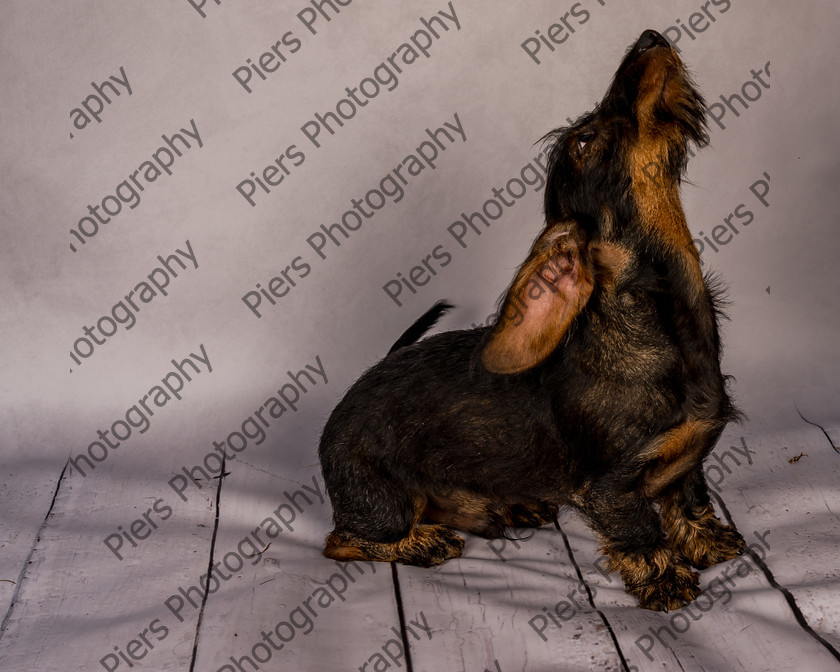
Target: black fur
421,325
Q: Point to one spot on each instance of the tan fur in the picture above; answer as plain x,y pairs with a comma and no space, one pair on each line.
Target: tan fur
702,538
675,453
662,581
550,289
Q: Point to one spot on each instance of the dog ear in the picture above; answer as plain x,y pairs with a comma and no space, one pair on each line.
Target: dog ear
548,292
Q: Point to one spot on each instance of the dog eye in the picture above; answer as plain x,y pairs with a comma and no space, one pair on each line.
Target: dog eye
584,139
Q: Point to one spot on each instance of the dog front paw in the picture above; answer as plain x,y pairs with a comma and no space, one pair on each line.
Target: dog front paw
714,544
674,588
703,540
660,580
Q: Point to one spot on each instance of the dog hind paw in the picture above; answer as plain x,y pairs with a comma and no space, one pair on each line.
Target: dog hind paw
425,546
532,514
430,545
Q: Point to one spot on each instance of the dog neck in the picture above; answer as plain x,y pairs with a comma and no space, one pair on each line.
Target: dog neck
660,212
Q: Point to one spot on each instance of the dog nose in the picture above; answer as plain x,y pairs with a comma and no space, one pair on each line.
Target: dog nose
650,39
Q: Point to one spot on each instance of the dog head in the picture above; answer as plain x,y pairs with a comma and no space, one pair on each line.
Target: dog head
611,203
620,165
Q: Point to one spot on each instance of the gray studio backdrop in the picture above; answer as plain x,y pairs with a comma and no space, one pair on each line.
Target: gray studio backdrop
216,214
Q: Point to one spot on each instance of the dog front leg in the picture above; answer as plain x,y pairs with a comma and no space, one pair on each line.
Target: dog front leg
653,572
688,517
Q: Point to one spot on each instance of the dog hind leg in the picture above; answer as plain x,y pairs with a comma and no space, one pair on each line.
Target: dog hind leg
483,516
532,514
424,546
467,511
377,520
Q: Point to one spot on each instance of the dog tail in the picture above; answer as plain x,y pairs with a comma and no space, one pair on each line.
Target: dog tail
422,325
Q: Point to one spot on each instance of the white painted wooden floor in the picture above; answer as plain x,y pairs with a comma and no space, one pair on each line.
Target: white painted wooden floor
537,603
138,566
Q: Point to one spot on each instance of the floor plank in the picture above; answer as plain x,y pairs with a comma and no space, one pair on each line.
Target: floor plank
79,608
740,622
797,501
288,607
506,604
27,491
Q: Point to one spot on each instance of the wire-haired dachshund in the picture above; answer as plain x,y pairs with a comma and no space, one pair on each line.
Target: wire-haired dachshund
598,386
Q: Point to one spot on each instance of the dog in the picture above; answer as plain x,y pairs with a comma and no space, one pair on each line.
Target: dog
598,387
